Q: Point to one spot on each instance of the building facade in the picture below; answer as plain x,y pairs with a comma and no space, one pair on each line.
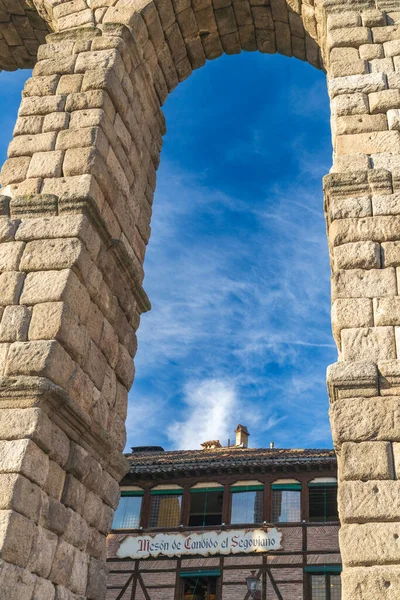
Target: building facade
194,525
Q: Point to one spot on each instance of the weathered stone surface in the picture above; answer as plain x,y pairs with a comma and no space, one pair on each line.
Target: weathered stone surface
387,311
17,534
351,312
366,461
357,255
370,544
21,495
368,583
369,502
374,343
17,583
359,283
365,419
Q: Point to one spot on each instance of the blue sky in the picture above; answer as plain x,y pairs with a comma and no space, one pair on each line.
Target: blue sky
237,267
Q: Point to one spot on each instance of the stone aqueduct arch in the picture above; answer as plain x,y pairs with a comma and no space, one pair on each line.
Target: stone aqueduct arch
74,224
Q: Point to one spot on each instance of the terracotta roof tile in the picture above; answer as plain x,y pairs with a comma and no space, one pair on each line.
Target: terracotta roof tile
153,462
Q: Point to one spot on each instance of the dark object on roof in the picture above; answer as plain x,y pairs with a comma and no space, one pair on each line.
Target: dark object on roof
146,449
228,458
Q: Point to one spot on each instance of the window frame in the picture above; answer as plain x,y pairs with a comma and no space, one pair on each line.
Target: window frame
322,571
130,494
287,487
165,492
322,484
199,490
240,489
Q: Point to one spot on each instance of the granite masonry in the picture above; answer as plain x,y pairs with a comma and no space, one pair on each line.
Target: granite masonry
74,223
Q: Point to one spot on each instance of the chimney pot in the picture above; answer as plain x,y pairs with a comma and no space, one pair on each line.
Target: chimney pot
272,445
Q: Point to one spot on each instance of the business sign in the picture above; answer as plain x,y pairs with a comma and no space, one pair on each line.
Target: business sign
204,543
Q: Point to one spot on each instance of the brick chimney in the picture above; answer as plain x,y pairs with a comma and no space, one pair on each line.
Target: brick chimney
242,436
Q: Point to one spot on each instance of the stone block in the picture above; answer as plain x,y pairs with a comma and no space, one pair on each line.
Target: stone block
60,445
63,563
365,419
32,423
366,461
17,535
110,490
368,344
96,544
342,208
55,122
55,254
357,283
44,590
341,68
46,164
376,229
74,494
21,495
371,51
361,124
393,117
27,145
92,509
369,143
95,365
40,358
55,480
370,583
15,324
369,501
125,370
43,551
357,255
386,204
54,286
370,544
11,283
385,34
96,588
14,170
384,100
387,311
54,320
109,343
77,531
25,457
77,463
57,517
353,84
381,65
17,583
79,576
350,312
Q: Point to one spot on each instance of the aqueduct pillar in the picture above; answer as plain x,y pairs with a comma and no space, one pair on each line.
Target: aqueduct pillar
74,223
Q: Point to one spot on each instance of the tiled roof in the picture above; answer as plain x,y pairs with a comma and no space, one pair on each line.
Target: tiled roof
226,458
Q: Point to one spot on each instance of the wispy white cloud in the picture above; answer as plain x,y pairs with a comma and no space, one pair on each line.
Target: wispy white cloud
239,282
207,415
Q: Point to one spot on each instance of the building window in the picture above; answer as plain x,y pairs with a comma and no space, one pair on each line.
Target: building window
323,501
200,585
165,508
205,506
325,586
127,515
286,502
247,504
